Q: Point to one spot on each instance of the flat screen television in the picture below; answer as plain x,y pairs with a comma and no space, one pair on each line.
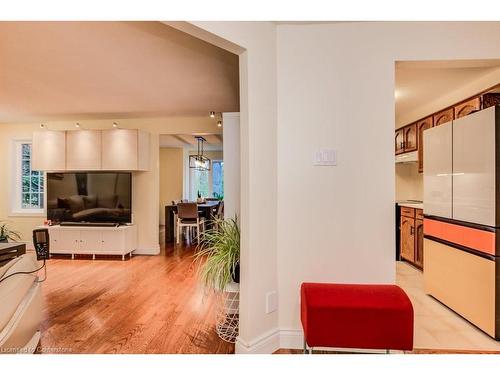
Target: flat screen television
93,197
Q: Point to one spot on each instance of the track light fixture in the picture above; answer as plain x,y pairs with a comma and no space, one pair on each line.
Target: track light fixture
219,124
77,125
212,114
42,126
115,125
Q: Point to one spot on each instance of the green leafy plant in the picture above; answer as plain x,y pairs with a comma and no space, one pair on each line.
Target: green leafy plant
8,234
218,253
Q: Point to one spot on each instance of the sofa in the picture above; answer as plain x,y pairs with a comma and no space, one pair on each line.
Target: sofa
20,306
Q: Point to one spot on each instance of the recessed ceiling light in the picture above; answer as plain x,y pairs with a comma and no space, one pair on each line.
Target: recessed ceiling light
212,114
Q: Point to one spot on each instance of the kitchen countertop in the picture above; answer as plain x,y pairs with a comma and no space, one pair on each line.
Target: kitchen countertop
411,204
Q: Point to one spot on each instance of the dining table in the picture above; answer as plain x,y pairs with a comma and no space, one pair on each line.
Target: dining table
205,210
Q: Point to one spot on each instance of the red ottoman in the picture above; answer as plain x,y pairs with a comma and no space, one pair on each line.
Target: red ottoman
356,316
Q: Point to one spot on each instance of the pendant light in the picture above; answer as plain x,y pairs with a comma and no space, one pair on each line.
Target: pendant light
199,161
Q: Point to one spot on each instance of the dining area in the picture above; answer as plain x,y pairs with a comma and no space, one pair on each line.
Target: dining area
187,220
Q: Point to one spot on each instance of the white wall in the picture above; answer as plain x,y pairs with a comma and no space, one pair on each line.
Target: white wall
232,175
409,183
336,89
255,42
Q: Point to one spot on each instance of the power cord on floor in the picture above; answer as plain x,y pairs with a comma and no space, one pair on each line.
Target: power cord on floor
28,273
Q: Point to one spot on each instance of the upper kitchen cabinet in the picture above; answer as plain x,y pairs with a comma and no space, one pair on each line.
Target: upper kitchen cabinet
474,160
443,117
421,126
438,171
410,138
466,108
83,150
125,149
405,139
490,99
48,151
399,143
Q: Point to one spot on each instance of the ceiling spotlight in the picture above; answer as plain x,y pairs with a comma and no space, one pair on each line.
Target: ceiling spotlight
212,114
219,124
115,125
77,125
42,126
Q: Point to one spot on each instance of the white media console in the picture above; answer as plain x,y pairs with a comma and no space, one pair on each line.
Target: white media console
93,241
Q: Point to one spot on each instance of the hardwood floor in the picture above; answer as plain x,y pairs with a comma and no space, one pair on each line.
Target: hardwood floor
148,304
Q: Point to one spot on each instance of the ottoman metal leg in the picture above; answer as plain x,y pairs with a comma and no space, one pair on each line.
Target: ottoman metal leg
305,347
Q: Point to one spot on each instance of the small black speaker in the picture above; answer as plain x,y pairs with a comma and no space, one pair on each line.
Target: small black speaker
41,243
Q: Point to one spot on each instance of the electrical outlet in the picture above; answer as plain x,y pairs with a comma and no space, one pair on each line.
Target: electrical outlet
325,157
271,301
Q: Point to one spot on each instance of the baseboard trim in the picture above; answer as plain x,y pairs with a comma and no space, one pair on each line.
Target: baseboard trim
267,343
148,250
291,339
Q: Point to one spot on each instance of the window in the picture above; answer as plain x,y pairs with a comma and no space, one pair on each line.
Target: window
207,183
218,179
29,186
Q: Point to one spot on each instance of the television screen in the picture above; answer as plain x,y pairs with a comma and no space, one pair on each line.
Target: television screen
97,197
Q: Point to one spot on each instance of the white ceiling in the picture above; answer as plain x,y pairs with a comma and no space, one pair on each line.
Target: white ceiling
418,82
59,70
188,141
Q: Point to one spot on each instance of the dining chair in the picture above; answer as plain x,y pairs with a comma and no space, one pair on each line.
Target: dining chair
188,217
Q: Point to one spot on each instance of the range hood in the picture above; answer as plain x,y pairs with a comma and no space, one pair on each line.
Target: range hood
407,157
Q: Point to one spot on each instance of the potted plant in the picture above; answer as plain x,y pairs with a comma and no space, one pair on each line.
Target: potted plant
7,234
218,257
218,254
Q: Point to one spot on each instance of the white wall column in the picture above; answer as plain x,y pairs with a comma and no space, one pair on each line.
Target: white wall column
232,167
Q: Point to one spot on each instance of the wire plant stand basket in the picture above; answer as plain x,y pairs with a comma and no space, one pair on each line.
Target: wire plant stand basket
227,313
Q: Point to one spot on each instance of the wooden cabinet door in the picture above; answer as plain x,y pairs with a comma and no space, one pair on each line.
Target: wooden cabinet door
443,117
421,126
490,99
466,108
408,239
399,144
410,137
419,243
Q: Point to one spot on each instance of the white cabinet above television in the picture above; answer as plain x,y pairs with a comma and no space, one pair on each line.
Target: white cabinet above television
91,150
125,150
48,151
83,150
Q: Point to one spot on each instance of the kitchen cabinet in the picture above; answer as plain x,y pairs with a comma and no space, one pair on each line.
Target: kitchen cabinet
466,108
419,243
83,150
490,99
399,144
408,238
48,151
410,138
412,235
443,117
422,125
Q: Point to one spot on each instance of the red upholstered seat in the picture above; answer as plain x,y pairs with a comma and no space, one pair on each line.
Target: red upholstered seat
356,316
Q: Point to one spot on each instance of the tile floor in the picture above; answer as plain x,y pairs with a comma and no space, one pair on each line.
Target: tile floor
436,326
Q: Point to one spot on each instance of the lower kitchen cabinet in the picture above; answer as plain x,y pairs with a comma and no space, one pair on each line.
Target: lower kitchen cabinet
412,236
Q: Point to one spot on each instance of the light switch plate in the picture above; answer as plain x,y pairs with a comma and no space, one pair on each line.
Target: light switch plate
325,157
271,301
